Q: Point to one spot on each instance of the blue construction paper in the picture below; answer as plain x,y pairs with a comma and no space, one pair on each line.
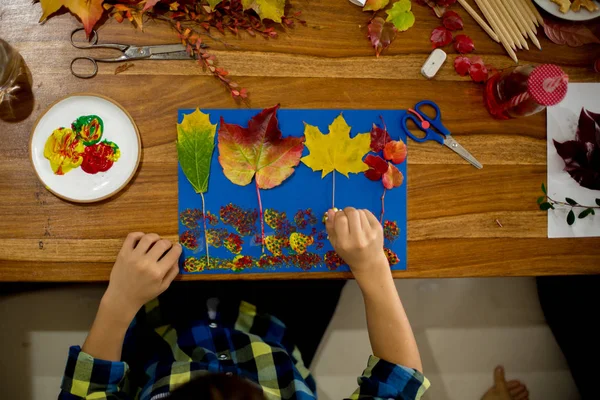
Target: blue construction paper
304,189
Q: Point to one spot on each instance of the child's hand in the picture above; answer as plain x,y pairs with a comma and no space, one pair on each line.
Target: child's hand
141,272
357,236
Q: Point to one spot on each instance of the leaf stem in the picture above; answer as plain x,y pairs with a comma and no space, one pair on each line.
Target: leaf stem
333,191
382,205
562,203
205,231
262,222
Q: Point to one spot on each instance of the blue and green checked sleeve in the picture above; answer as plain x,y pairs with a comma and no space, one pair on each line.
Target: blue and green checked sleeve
87,377
384,380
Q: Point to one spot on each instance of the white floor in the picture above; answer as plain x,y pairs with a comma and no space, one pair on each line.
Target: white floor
464,328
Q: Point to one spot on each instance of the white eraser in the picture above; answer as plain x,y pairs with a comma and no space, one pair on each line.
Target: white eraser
358,2
434,63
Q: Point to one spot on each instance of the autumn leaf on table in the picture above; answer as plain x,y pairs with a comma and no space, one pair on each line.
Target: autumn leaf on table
258,151
89,11
400,15
214,3
375,5
336,151
266,9
195,147
573,35
149,4
381,34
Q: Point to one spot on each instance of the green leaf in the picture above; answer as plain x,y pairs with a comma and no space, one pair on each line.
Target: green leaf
546,206
544,188
585,213
213,3
400,15
571,201
571,217
195,146
374,5
598,201
541,199
593,212
266,9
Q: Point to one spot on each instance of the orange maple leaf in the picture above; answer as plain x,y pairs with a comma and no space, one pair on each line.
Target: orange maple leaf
89,11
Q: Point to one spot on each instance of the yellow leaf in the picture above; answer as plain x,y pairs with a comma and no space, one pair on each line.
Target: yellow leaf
336,151
89,11
266,9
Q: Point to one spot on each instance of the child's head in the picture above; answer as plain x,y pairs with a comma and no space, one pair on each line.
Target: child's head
218,387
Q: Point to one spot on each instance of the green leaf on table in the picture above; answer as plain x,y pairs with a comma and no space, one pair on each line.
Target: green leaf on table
195,146
266,9
400,15
374,5
585,213
544,188
541,199
546,206
571,217
571,201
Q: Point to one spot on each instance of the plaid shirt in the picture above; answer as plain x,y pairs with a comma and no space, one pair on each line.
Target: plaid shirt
160,357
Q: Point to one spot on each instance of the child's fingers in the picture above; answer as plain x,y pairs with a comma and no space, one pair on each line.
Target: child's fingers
364,220
159,249
146,242
353,215
330,225
172,257
132,239
341,225
171,275
373,221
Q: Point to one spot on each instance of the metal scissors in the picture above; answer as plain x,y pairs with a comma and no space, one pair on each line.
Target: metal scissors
427,125
130,52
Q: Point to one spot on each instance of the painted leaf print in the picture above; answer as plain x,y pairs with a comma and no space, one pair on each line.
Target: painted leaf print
195,146
336,151
258,150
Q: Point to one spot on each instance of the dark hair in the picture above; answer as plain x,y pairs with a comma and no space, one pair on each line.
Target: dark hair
218,387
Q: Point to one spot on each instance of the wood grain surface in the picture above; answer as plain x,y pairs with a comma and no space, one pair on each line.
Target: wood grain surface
452,207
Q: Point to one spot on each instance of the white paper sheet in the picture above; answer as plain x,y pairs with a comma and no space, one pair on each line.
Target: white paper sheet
562,126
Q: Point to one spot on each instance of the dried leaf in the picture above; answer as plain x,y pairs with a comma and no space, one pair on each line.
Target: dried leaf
452,21
379,138
381,34
463,44
440,37
395,151
123,67
258,150
266,9
573,35
375,5
336,151
392,178
462,65
149,4
400,15
478,71
89,11
377,167
214,3
195,146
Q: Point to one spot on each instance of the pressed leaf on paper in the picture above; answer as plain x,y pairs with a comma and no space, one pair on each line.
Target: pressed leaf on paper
379,138
195,146
381,34
266,9
336,150
258,150
89,11
395,151
400,15
392,178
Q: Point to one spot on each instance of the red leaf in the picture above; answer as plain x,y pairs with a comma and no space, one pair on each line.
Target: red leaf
395,151
573,35
377,167
381,34
463,44
462,65
392,178
440,37
150,4
452,21
379,137
478,70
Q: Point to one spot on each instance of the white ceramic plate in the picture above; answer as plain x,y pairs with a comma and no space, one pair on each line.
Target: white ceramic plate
77,185
582,15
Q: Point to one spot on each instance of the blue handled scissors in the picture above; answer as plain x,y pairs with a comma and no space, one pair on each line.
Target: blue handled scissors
427,125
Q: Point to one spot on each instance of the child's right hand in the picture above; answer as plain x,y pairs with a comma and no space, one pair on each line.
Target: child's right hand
357,236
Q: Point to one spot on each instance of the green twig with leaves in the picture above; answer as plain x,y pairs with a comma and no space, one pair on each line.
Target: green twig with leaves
547,203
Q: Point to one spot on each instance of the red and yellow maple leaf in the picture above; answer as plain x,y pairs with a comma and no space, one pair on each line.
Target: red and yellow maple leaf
89,11
258,151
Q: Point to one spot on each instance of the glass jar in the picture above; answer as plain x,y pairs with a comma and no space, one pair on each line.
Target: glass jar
524,90
16,97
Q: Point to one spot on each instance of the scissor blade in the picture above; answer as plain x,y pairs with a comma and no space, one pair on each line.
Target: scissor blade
179,55
461,151
165,48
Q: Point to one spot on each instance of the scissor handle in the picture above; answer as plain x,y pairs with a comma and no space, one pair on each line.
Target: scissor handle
422,125
85,76
436,121
94,42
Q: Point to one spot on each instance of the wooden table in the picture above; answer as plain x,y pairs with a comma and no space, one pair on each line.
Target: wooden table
452,207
